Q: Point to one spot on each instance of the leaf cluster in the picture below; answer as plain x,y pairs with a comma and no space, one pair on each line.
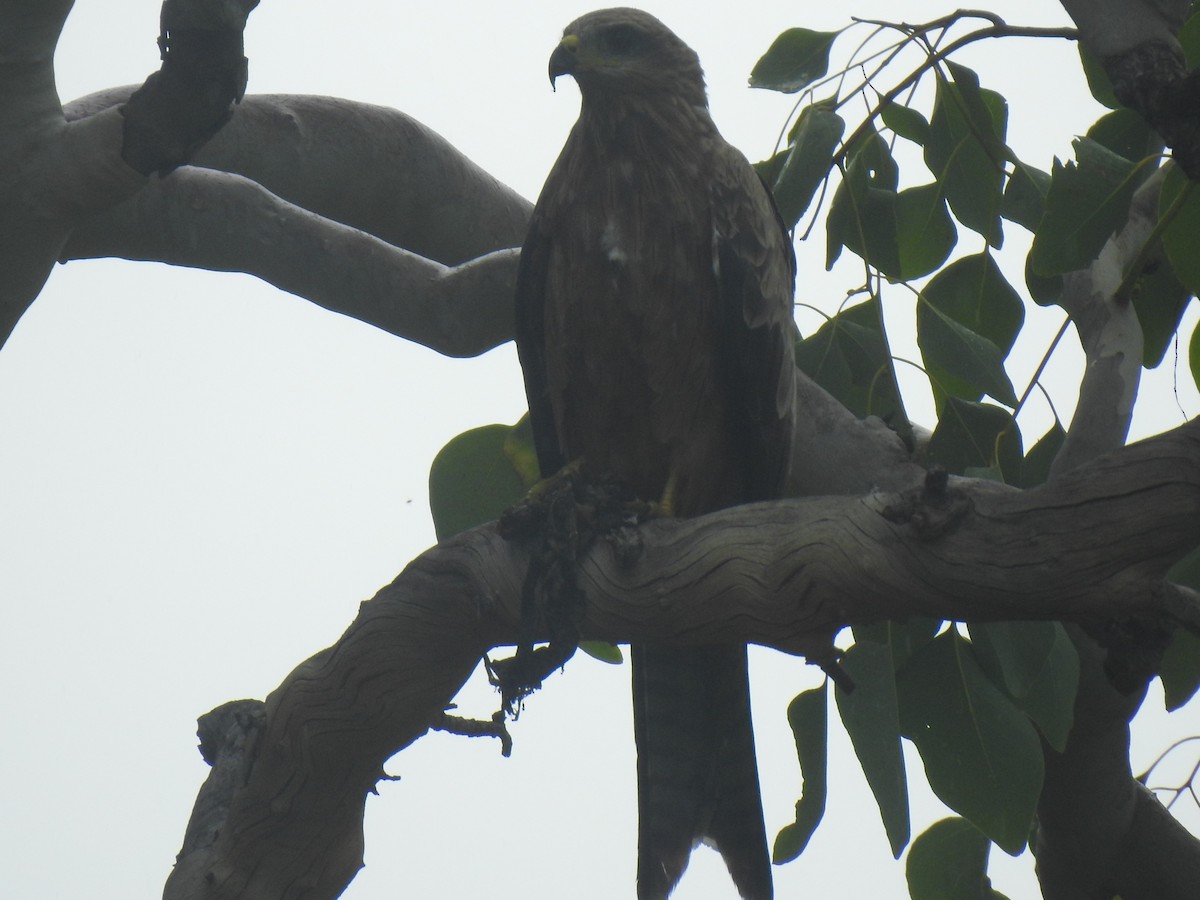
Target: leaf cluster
977,701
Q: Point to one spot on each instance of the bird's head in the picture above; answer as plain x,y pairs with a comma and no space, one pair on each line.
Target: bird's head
622,51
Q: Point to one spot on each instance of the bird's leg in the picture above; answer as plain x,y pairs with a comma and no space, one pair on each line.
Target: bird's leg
550,520
666,503
547,485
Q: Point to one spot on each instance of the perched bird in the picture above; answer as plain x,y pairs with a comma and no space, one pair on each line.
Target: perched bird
655,331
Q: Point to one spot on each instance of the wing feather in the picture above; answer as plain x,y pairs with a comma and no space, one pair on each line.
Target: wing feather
531,345
756,273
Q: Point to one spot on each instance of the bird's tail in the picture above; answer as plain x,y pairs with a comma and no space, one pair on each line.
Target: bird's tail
697,773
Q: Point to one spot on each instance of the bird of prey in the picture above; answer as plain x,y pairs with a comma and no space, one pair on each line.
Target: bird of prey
655,331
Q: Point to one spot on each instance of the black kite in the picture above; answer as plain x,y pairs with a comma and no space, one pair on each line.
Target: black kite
654,324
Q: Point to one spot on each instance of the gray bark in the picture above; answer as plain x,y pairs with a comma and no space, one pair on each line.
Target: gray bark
370,214
785,575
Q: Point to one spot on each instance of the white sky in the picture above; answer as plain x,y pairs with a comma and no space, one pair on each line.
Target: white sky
201,478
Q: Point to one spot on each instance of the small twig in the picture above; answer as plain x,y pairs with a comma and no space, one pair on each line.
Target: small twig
476,728
1035,379
993,31
1178,791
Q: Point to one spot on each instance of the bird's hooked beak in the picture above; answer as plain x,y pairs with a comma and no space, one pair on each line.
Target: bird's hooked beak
564,58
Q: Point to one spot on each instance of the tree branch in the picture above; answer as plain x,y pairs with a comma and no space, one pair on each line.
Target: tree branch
1113,27
368,167
784,574
317,196
1110,333
215,220
1097,833
1136,41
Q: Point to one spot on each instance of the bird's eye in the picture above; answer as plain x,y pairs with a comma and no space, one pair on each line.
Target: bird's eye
622,39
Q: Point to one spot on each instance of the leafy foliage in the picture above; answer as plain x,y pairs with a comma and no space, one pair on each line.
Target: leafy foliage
808,715
1087,202
476,477
795,60
871,714
981,753
949,862
977,708
920,192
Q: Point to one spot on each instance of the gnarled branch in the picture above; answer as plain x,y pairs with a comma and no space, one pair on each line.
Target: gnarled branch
1088,547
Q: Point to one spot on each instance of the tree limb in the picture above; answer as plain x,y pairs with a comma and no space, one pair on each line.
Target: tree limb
1088,547
1112,27
357,208
367,167
224,222
1136,41
1110,333
1098,832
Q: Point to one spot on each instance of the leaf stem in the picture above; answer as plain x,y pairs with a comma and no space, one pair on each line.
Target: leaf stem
1037,375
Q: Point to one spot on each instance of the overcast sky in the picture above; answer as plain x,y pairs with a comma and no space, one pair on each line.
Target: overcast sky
202,477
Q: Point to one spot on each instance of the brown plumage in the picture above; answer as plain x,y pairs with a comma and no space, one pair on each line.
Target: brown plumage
654,324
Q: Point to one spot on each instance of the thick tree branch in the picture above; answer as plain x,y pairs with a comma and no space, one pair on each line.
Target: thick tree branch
835,452
1136,41
1112,27
1098,303
1088,547
1101,833
318,196
215,220
59,172
368,167
1092,809
53,174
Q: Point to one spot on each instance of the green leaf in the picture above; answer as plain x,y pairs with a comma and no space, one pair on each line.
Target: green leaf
976,435
796,59
809,717
1097,79
871,716
974,292
981,754
862,217
1025,196
948,861
1036,664
1160,301
1126,134
848,356
1189,38
1180,669
519,449
1087,202
903,638
1035,468
875,155
960,362
966,150
807,161
967,322
603,651
905,122
1015,651
472,481
925,233
1194,355
1046,290
1180,666
1181,239
1187,571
